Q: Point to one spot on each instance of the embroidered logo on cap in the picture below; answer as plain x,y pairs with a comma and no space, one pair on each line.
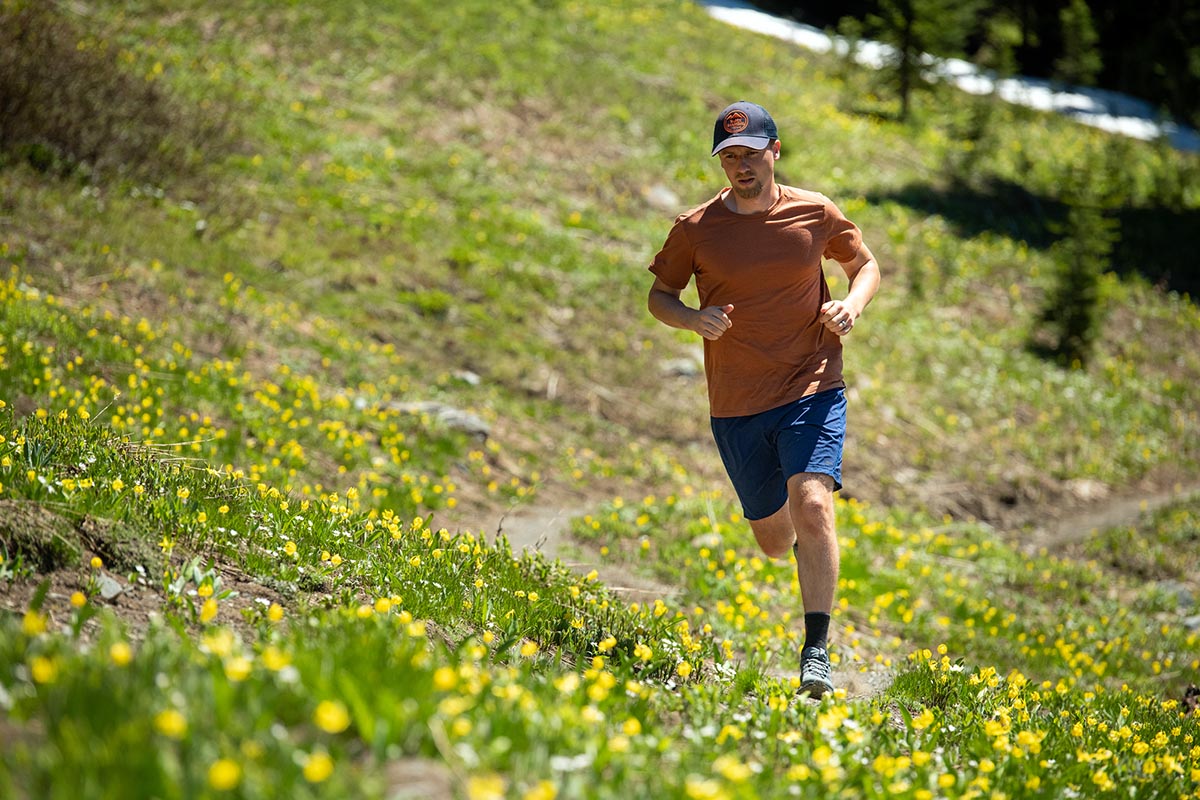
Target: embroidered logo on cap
736,122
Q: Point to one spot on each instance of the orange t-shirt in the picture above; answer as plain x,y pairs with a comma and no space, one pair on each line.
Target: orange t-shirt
768,265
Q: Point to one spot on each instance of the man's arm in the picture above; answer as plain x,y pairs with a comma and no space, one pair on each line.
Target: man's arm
667,308
863,272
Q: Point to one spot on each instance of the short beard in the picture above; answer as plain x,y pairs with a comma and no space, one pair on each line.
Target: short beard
751,193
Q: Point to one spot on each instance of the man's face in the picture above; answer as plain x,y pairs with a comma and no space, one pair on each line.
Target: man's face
749,170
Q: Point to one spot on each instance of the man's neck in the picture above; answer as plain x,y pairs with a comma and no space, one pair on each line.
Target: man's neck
753,205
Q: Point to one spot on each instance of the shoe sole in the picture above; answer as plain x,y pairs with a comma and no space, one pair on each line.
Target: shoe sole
815,689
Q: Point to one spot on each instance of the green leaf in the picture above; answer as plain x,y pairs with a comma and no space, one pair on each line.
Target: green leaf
39,595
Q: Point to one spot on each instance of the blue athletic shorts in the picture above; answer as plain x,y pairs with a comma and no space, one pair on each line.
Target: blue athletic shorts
761,451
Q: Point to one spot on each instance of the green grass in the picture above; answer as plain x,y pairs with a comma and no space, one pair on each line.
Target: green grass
512,671
203,385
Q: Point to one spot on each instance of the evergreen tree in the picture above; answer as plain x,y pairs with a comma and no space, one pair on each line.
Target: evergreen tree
1080,61
996,57
1073,309
916,27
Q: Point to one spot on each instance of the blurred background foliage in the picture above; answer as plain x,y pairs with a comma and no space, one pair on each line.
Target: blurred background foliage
1148,49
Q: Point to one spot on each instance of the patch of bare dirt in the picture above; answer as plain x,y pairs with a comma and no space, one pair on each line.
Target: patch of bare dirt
419,778
45,547
137,603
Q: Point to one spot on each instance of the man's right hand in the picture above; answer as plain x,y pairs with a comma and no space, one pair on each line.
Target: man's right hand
712,322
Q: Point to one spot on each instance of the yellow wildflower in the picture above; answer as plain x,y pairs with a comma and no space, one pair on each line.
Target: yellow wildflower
445,679
1102,780
318,766
730,732
170,723
43,670
485,787
120,654
275,659
331,716
923,720
224,774
543,790
799,772
698,788
34,623
238,668
208,611
731,769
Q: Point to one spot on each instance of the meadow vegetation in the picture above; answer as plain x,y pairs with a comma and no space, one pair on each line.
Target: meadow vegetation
244,554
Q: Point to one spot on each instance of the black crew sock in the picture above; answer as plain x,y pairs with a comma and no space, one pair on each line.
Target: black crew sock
816,629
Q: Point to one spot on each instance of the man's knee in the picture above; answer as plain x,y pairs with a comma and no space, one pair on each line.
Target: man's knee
811,503
810,512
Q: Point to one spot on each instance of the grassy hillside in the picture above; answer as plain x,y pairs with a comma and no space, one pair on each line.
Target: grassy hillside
230,376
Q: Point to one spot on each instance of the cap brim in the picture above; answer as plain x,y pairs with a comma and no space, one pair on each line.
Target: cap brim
757,142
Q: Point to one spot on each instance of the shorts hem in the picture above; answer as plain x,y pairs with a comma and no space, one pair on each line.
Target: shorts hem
746,513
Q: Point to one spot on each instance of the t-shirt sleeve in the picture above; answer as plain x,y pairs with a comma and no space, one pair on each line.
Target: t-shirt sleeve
673,264
842,237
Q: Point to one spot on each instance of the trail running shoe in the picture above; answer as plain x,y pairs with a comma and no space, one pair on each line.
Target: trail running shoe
815,672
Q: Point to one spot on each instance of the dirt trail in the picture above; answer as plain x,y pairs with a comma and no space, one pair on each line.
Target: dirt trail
546,530
1106,513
